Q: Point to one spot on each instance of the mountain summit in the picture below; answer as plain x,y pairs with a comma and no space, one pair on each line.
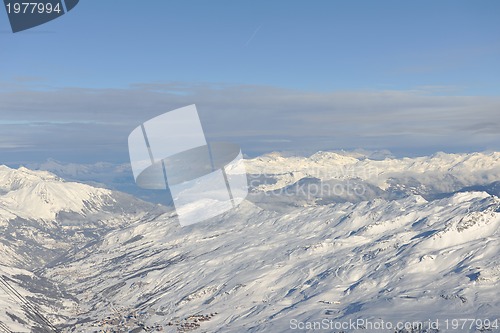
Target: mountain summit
420,244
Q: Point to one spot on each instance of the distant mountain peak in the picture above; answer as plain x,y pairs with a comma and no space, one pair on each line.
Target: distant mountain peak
42,195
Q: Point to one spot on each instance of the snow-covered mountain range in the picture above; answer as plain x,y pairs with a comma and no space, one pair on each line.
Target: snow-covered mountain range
42,220
324,239
355,177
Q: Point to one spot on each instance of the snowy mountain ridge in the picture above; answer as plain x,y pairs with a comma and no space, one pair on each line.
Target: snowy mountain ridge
405,259
467,169
403,251
42,219
328,177
46,194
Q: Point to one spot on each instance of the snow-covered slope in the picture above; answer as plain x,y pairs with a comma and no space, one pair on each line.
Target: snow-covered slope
29,303
42,220
354,177
41,195
421,242
39,210
118,177
407,259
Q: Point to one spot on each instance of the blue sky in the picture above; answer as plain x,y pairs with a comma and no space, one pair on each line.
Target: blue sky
413,77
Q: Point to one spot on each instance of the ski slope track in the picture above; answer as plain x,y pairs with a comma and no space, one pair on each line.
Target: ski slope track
417,241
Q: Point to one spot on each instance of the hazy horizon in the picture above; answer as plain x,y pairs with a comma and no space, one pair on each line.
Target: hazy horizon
410,78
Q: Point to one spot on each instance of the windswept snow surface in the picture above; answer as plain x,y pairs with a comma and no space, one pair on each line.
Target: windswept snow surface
42,220
403,260
428,176
47,195
420,244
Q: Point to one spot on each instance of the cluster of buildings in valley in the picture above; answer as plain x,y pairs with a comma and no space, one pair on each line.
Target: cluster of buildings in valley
132,321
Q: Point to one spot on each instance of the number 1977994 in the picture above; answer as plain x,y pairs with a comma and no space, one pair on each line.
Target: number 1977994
33,8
